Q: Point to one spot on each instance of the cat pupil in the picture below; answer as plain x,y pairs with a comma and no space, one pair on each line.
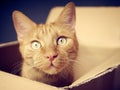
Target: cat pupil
61,40
36,45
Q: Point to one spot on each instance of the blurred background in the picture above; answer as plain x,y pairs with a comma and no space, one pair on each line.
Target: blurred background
38,11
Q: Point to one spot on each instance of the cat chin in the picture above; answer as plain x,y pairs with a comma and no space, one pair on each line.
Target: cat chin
52,70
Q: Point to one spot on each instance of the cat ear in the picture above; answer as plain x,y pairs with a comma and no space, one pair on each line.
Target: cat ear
67,16
22,24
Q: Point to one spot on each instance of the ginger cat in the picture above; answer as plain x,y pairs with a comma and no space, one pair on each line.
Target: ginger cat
48,50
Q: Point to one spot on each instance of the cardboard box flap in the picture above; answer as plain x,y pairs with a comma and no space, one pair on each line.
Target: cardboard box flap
97,72
8,44
13,82
107,80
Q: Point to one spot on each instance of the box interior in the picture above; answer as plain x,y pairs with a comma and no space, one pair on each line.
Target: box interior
10,57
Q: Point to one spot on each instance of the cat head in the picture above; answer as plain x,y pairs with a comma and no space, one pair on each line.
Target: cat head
50,48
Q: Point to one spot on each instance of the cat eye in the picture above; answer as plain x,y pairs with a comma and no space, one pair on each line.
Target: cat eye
62,41
35,44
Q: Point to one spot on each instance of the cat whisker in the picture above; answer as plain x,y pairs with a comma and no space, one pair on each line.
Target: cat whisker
39,64
16,68
73,61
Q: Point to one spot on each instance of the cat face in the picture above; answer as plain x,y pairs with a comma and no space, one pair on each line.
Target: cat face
50,48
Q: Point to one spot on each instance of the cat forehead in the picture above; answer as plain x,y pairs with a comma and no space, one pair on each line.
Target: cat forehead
53,27
45,31
50,28
44,28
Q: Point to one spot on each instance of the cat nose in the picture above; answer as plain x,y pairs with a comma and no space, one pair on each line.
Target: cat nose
52,57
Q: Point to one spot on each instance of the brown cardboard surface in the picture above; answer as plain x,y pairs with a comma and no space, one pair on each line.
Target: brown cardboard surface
106,67
98,32
12,82
107,80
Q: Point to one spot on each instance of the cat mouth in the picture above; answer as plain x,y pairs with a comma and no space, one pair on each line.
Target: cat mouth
52,65
52,69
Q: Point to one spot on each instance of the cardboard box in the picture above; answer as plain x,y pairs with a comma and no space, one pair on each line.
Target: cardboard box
98,32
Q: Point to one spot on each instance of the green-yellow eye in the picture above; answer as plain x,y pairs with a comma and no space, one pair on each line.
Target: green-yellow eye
62,41
35,44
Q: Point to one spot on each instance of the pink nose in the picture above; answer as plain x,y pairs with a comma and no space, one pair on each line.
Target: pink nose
52,57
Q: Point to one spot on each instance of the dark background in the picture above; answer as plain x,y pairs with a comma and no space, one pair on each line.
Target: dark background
38,11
